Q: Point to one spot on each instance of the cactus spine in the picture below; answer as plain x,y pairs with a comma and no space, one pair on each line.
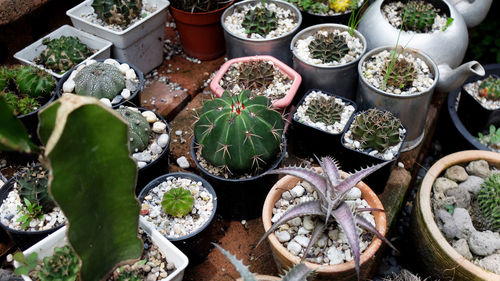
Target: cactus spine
490,88
326,110
33,184
120,12
177,202
401,75
63,53
63,265
328,48
259,20
418,16
255,74
489,201
139,129
239,133
99,80
34,82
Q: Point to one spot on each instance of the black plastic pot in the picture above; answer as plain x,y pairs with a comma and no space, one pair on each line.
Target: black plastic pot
197,244
23,239
310,19
134,97
241,198
307,141
356,159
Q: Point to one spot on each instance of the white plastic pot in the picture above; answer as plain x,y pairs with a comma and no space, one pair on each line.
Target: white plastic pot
141,43
28,54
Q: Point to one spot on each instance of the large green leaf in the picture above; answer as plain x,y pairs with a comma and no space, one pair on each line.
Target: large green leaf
93,182
13,135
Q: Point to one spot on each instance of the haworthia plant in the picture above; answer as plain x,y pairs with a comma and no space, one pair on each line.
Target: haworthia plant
13,136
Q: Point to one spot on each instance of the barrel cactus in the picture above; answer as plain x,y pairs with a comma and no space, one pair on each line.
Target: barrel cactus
418,16
63,265
489,201
259,20
99,80
239,133
490,88
376,129
6,75
27,105
33,184
63,53
34,82
11,100
326,110
399,73
120,12
255,74
177,202
139,129
328,47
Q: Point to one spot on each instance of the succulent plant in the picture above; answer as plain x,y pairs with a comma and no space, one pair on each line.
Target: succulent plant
139,129
492,139
11,100
332,191
418,16
489,201
6,75
239,133
33,184
328,48
259,20
255,74
340,6
34,82
376,129
27,105
400,73
299,272
490,88
197,6
63,265
326,110
99,80
63,53
120,12
177,202
129,276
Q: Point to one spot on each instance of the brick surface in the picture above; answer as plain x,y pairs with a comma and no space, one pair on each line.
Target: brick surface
164,99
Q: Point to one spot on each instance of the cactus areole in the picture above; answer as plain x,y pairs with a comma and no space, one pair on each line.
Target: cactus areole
239,133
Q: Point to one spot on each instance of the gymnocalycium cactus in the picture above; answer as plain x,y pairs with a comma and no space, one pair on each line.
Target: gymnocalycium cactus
120,12
326,110
489,201
63,53
418,16
299,272
331,190
239,133
255,74
328,48
27,105
177,202
33,184
490,88
63,265
400,73
139,129
259,20
376,129
34,82
99,80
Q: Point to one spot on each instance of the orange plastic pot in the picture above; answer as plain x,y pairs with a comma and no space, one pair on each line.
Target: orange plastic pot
201,33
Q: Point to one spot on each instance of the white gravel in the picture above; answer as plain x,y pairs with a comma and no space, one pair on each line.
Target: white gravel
389,154
473,90
392,12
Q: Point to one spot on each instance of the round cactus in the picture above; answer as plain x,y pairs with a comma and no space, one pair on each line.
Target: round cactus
99,80
139,129
11,100
401,74
339,6
177,202
6,76
326,110
63,53
418,16
255,74
34,82
489,201
259,20
27,105
33,185
120,12
239,133
376,129
328,48
63,265
490,88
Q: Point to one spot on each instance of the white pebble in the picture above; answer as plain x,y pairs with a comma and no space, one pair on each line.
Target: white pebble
150,116
353,194
112,62
283,236
401,165
159,127
125,93
163,140
124,67
89,62
130,74
302,240
183,162
69,86
294,248
297,191
141,164
106,101
178,132
155,148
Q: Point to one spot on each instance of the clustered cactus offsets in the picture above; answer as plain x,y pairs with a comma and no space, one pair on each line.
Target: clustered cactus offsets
328,47
63,265
400,73
418,16
63,53
489,202
120,12
259,20
326,110
99,80
490,88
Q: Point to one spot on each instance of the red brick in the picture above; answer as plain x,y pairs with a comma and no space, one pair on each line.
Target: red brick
163,99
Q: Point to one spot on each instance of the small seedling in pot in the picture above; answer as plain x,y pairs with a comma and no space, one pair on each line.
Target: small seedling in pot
492,139
259,20
27,263
117,11
178,202
29,211
489,202
490,88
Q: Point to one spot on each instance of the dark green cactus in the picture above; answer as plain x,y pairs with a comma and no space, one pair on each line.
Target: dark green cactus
34,82
129,276
255,74
177,202
6,75
120,12
63,53
418,16
239,133
139,129
11,100
328,48
63,265
401,74
27,105
33,184
490,88
99,80
376,129
259,20
489,201
326,110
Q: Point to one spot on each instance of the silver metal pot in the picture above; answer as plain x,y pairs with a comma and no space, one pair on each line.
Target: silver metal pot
338,79
410,109
239,46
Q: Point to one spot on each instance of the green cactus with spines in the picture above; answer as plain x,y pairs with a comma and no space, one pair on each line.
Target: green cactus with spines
418,16
120,12
139,129
376,129
63,265
490,88
177,202
6,76
255,74
12,101
239,133
259,20
326,110
328,48
401,74
33,184
99,80
489,201
129,276
34,82
63,53
28,105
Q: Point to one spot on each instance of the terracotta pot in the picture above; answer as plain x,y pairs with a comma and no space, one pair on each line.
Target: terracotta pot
285,69
437,257
201,33
263,278
345,271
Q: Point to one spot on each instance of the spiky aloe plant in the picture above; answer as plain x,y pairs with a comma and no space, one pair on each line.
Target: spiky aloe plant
299,272
255,74
259,20
489,201
63,53
63,265
177,202
419,16
332,191
328,48
120,12
490,88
